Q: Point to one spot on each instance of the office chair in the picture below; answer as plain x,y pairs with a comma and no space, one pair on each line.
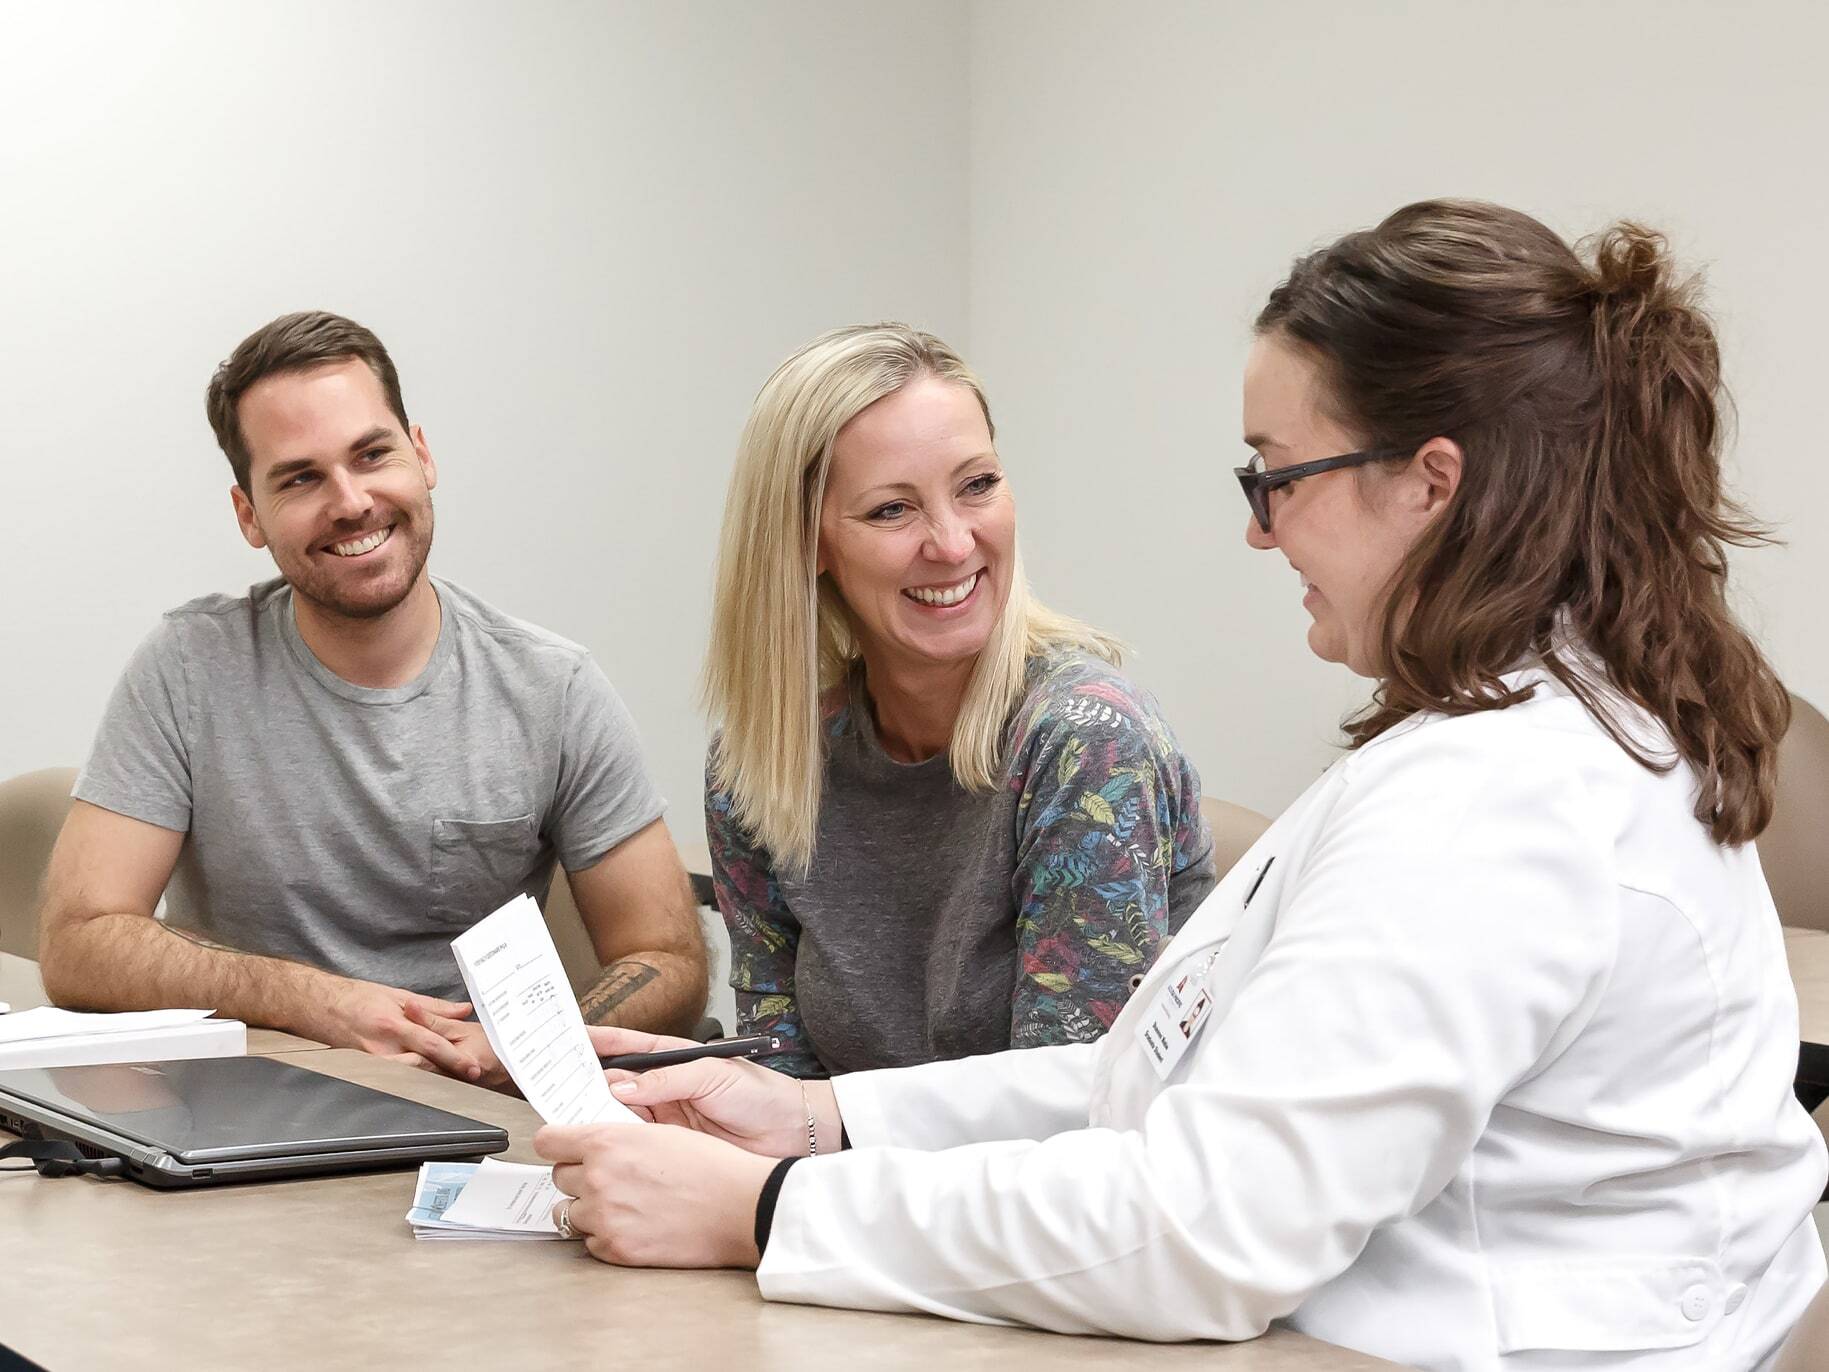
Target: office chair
1806,1349
32,810
1794,849
1792,852
574,944
566,926
1234,830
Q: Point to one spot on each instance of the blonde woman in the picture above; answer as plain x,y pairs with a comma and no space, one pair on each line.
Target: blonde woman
941,821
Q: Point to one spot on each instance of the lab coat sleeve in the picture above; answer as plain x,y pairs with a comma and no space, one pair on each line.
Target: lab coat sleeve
1449,933
1028,1093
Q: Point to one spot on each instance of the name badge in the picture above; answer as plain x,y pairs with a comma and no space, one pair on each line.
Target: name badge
1177,1016
1182,1006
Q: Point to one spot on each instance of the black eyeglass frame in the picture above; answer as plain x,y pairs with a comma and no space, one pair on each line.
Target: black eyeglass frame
1258,484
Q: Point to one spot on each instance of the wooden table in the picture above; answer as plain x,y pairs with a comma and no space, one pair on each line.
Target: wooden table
325,1273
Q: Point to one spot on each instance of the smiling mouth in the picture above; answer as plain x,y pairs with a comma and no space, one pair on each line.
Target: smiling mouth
357,547
942,596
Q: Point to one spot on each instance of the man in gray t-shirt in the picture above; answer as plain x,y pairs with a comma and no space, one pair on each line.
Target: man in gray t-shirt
331,777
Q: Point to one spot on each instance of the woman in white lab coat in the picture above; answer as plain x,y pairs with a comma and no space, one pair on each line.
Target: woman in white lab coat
1481,1058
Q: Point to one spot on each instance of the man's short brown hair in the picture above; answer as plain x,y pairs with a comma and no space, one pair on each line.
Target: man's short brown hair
291,343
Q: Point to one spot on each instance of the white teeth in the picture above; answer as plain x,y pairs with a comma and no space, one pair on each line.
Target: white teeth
362,545
945,595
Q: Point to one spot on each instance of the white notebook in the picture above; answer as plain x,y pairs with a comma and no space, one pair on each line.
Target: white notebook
49,1037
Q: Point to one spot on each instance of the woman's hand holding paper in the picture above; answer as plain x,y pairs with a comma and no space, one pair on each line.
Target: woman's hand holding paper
656,1197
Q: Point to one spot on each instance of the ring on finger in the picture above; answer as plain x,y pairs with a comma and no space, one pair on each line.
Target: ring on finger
562,1218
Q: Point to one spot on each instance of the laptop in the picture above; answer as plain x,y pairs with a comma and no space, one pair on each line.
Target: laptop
203,1121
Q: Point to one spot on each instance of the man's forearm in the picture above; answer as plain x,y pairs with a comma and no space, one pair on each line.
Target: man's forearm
661,992
131,962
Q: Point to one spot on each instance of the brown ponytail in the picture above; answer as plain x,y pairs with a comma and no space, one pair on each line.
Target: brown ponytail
1587,403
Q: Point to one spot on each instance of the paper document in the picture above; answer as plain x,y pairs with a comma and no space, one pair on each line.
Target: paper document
493,1200
524,1003
47,1021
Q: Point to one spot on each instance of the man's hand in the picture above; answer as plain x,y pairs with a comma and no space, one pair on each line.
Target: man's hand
466,1035
379,1019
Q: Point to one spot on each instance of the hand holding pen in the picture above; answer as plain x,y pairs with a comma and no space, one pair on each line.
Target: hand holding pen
730,1098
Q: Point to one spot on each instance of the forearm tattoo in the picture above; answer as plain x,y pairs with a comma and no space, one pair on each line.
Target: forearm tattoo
619,981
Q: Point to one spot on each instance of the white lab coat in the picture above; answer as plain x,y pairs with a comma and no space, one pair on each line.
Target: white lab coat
1499,1077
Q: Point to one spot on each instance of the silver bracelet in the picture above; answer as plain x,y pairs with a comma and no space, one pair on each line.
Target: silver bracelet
812,1133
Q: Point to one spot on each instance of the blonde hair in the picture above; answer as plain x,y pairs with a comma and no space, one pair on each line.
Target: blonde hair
780,634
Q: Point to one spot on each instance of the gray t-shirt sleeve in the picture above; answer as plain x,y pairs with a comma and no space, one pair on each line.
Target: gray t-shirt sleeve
604,793
140,763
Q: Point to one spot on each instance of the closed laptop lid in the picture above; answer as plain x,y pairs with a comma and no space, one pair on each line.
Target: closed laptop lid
211,1110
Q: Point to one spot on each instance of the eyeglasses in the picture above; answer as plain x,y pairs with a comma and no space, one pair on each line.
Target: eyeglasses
1258,483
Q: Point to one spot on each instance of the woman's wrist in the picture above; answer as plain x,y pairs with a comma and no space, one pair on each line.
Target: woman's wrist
766,1199
828,1121
745,1232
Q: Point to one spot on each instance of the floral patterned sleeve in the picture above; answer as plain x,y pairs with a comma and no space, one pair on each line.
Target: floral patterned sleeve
1108,816
764,937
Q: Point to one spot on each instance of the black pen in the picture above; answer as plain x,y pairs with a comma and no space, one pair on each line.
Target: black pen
752,1047
1262,872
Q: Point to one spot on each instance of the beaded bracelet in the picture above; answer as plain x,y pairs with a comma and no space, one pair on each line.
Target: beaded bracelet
812,1133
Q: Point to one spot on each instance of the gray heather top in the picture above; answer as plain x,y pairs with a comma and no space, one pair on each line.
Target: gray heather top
936,923
361,829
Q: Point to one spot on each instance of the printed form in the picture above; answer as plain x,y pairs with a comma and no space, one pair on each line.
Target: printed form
525,1005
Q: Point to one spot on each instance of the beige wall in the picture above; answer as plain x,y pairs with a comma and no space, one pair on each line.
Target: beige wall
1143,174
589,230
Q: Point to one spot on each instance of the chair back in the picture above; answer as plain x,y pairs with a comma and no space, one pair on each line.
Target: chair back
571,940
1234,830
1806,1348
32,810
1794,849
579,958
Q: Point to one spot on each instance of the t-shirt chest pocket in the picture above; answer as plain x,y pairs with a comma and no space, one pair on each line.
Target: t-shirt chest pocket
479,865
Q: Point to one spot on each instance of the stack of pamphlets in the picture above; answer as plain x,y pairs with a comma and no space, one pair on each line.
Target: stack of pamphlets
487,1200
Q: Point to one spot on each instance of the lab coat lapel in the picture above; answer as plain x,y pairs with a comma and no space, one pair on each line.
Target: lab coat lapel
1234,919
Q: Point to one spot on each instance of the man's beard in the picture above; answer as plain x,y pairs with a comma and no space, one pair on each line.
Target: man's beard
321,586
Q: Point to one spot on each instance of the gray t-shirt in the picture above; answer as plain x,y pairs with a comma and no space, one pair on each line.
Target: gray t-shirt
938,923
361,829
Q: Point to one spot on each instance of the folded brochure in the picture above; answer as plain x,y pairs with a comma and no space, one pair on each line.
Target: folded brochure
486,1200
